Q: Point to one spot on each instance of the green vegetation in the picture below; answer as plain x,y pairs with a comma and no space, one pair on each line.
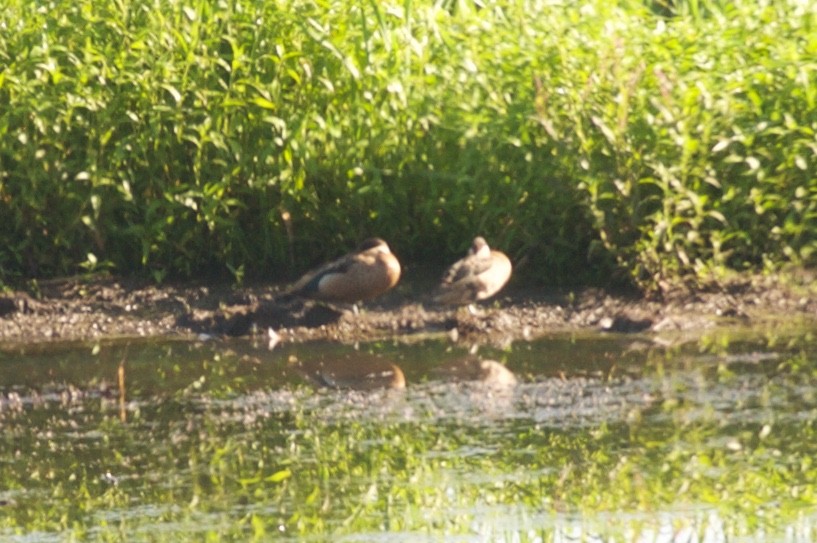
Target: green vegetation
210,446
172,137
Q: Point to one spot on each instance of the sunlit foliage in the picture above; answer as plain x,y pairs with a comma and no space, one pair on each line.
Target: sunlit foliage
246,137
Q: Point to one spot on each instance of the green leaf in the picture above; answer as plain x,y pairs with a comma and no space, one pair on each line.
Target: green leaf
279,476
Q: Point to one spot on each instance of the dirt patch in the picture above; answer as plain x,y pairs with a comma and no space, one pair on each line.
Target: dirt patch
73,309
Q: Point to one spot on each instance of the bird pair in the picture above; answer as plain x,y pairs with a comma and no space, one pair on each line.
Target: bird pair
372,269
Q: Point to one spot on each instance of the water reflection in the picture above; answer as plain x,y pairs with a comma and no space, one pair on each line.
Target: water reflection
471,368
355,371
692,525
596,437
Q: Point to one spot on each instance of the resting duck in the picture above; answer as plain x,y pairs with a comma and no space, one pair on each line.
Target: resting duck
363,274
481,274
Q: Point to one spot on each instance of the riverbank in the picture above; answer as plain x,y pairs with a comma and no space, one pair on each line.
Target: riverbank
110,307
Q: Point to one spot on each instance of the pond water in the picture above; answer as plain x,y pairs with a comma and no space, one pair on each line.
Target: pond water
591,438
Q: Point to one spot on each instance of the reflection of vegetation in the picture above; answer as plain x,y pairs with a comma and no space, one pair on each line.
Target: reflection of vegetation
735,440
311,477
174,137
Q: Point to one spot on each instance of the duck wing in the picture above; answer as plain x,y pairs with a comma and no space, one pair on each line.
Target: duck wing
461,283
466,269
311,280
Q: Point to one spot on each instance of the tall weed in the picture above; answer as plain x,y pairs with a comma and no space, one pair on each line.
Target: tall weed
591,141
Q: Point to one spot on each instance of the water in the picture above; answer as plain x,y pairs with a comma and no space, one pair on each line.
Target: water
594,438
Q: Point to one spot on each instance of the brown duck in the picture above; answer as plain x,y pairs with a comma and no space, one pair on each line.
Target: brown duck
481,274
361,275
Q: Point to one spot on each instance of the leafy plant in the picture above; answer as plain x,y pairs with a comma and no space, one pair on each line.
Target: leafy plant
595,140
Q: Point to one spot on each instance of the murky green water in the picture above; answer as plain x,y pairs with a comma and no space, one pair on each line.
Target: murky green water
603,438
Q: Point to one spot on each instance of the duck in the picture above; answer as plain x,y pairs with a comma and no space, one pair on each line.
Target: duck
478,276
364,274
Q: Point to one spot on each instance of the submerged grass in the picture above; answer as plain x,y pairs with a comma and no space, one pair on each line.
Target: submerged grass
181,138
305,478
707,438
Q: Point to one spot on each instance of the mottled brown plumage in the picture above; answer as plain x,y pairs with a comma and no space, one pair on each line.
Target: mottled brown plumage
364,274
479,275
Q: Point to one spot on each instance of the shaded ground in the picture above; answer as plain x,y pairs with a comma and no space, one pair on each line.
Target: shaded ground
112,307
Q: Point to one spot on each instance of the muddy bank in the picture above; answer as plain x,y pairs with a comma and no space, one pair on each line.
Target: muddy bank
110,307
